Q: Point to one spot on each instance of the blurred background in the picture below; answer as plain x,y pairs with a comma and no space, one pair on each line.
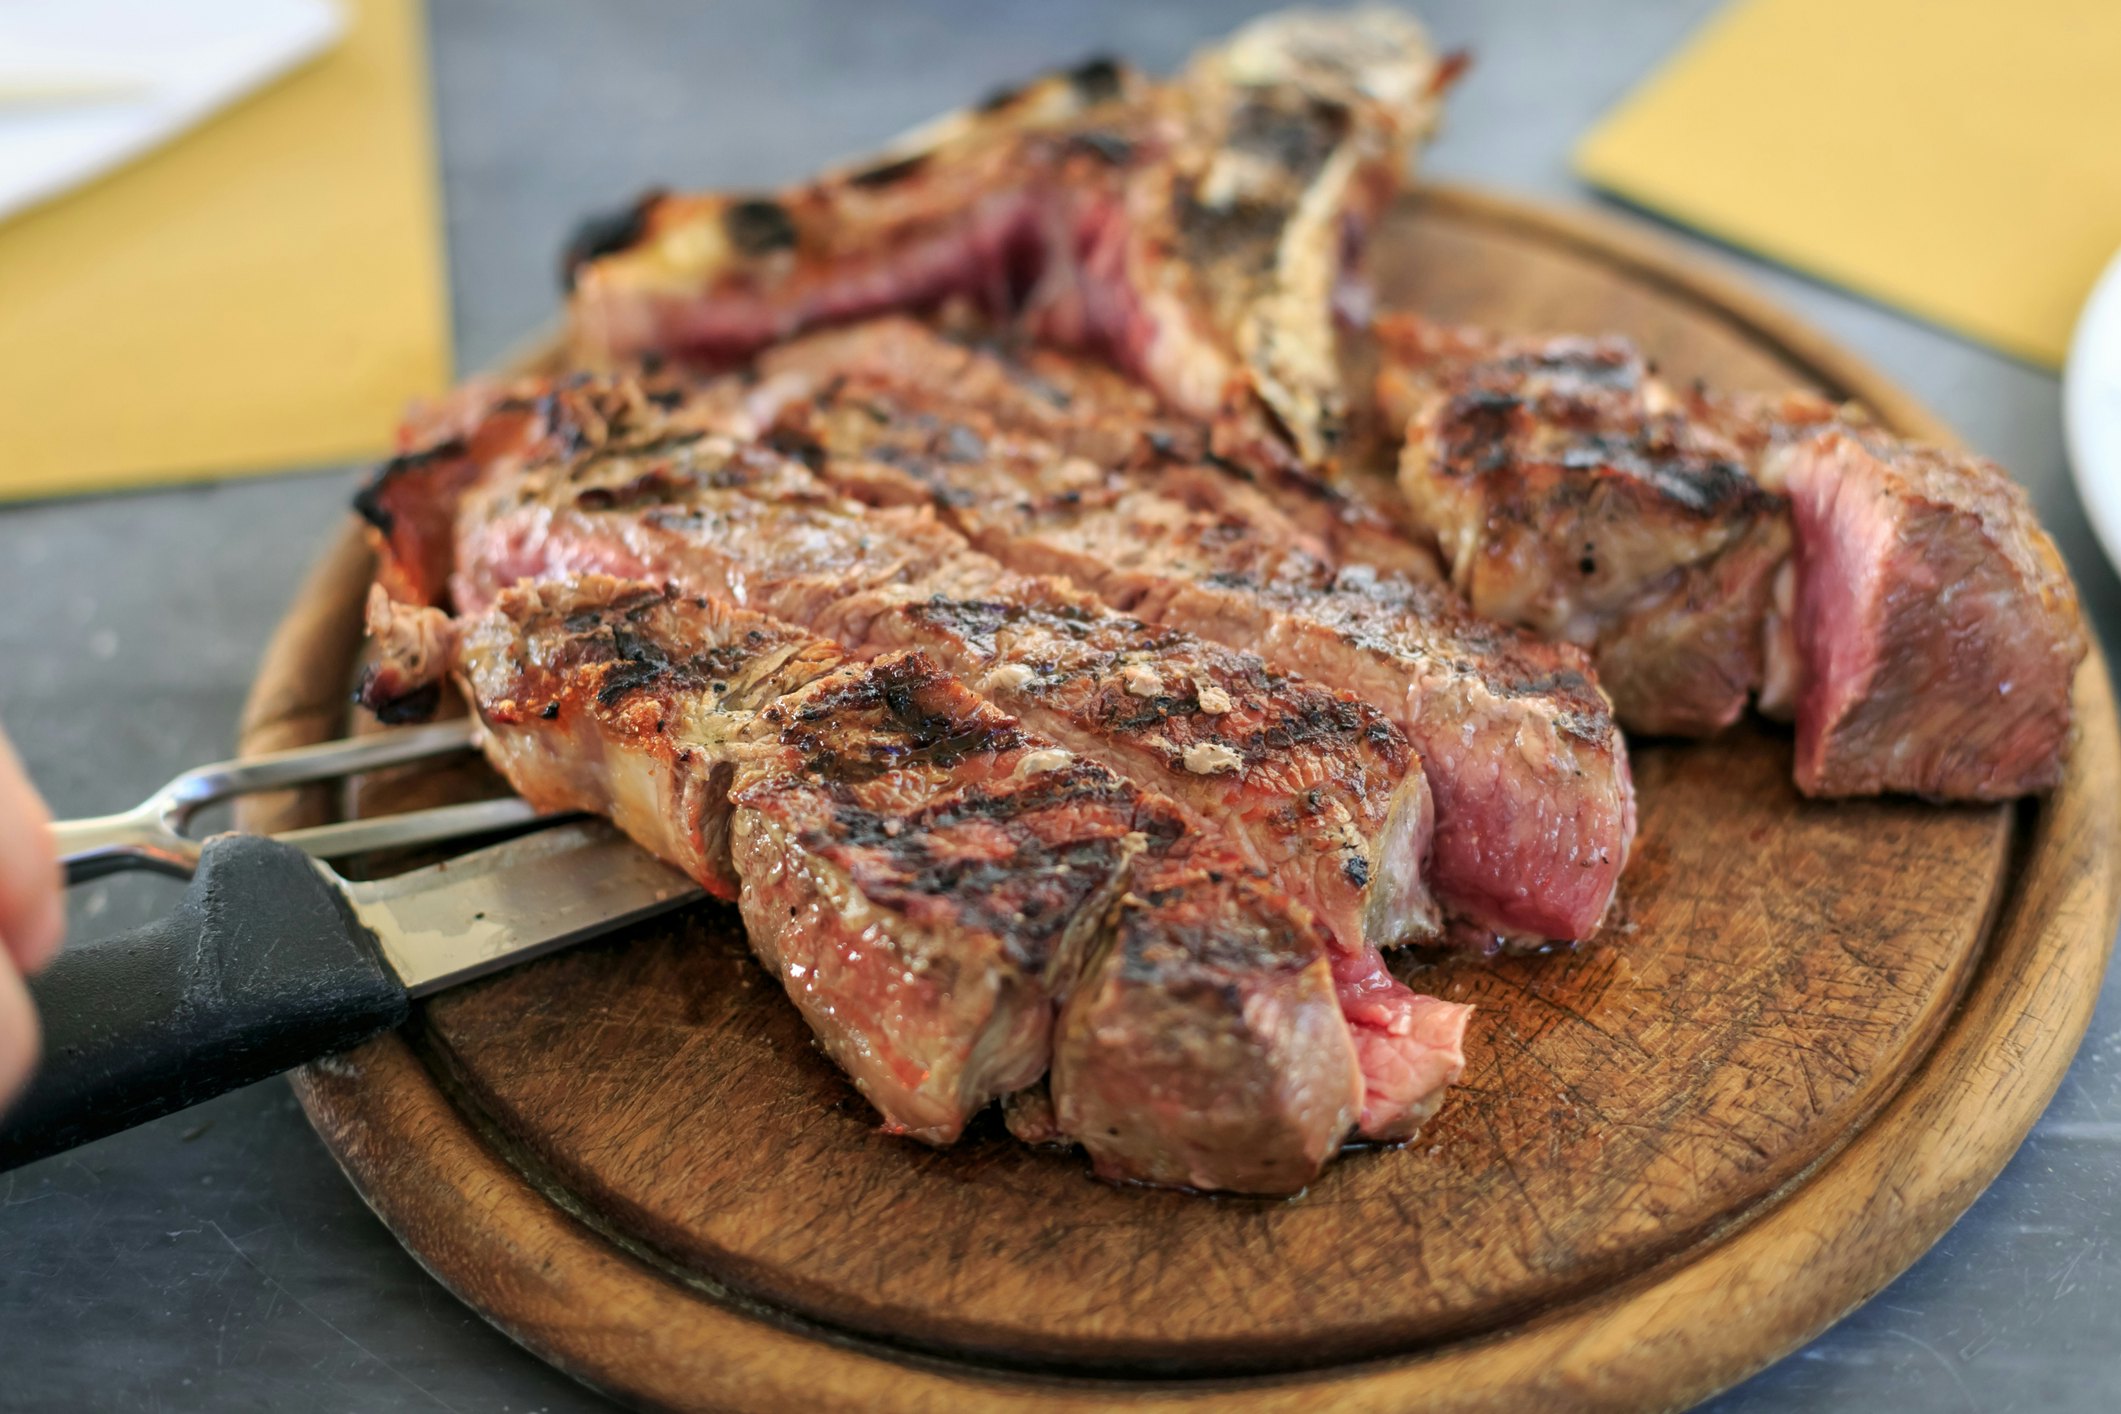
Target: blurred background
237,246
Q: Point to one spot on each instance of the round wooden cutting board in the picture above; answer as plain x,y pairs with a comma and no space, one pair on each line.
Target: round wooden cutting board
1677,1153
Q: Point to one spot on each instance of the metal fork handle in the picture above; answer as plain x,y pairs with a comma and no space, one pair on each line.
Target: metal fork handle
139,838
305,765
151,834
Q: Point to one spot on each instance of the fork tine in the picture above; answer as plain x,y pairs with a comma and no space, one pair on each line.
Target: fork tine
150,835
304,765
435,825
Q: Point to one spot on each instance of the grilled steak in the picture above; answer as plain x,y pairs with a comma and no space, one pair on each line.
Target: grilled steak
932,883
1310,788
1937,628
1534,810
1911,613
636,489
1195,233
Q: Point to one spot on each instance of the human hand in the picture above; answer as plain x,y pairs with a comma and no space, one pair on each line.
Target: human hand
32,914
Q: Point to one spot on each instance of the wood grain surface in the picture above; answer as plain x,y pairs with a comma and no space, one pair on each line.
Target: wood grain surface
1821,1029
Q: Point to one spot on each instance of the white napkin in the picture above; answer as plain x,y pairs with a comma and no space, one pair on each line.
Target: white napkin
86,85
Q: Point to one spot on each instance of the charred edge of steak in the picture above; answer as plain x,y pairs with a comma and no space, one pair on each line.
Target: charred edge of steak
392,707
759,226
607,233
373,501
930,719
1098,79
410,506
891,172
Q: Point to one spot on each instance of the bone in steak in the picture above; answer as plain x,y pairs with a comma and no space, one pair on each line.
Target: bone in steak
1534,809
1911,613
1310,787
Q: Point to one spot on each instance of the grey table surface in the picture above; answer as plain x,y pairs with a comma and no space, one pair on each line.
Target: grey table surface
217,1260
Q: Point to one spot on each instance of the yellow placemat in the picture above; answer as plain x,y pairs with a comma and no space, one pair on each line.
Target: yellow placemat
1958,158
266,292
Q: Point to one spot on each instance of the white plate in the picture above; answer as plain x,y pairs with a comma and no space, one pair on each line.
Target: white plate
88,84
2091,409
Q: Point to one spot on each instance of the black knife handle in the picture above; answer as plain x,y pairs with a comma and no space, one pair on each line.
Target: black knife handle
261,967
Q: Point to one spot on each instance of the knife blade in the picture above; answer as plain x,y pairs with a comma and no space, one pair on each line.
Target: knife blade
507,903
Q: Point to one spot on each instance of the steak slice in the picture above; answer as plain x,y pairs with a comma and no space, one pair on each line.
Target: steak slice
1570,493
1192,941
928,880
1534,807
1308,785
1937,627
607,480
1900,600
1196,233
922,897
1248,752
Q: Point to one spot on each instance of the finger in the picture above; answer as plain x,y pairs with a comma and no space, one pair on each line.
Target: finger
18,1033
32,893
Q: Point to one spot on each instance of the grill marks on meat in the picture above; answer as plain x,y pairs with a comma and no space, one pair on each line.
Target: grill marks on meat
1195,233
1900,600
933,884
744,523
1313,790
1307,783
898,871
1937,626
1570,492
1534,809
1310,790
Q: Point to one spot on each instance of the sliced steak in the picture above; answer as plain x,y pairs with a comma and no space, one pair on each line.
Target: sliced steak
1936,625
1534,809
1194,941
610,482
1309,785
930,882
624,491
